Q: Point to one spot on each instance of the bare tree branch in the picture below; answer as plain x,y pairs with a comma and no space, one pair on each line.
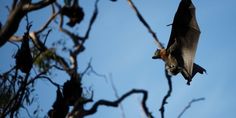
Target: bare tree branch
164,101
142,20
41,75
189,105
118,101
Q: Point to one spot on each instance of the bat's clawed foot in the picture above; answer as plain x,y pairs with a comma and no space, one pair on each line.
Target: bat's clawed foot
188,83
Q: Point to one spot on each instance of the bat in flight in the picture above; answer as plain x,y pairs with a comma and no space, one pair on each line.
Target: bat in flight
180,52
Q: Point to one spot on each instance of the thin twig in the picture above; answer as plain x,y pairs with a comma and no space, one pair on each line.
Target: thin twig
86,69
189,105
41,75
164,101
52,82
53,16
96,73
140,17
89,69
116,94
46,37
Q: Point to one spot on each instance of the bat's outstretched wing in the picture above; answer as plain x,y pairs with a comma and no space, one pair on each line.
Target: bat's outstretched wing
184,37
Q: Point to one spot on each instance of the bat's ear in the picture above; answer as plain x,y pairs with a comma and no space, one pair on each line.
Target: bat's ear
157,55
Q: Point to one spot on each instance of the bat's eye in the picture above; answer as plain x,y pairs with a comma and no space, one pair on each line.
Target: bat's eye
172,66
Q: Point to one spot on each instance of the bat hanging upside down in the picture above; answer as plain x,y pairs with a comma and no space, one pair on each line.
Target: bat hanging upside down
180,52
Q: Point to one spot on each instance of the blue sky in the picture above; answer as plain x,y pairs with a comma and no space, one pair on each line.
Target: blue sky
120,44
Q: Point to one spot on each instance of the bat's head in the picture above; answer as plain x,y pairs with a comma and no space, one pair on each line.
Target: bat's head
172,66
160,54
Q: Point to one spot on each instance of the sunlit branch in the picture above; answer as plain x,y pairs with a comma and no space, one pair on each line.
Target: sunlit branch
35,6
73,60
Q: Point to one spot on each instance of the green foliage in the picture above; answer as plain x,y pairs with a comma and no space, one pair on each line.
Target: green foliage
45,60
6,93
4,97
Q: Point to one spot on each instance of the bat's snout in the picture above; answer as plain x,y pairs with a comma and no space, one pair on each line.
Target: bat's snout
157,55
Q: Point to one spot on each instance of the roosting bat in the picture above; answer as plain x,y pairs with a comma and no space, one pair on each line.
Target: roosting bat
24,59
74,12
180,52
60,107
